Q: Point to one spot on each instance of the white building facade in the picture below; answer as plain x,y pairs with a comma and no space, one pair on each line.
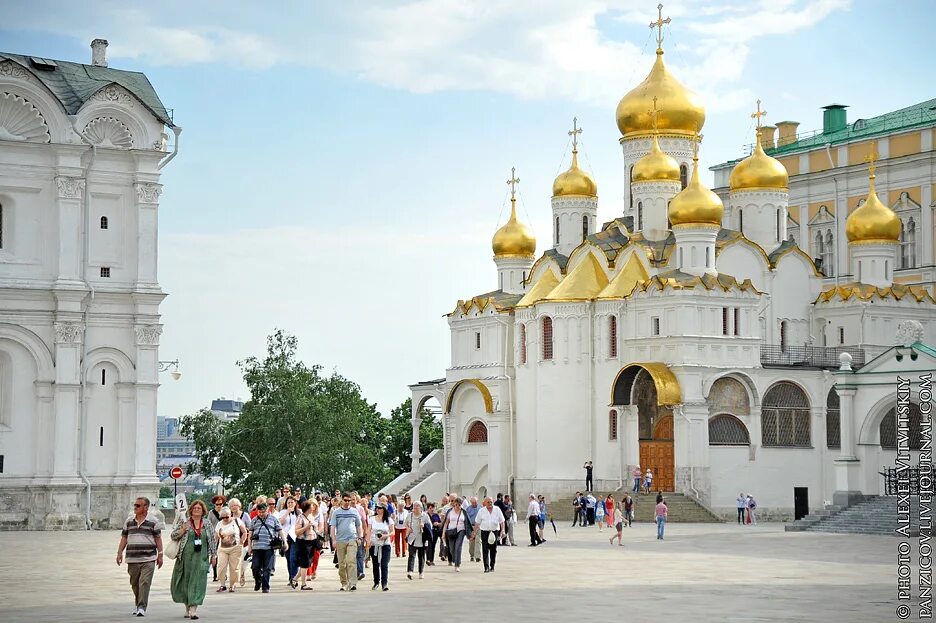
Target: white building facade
81,149
669,339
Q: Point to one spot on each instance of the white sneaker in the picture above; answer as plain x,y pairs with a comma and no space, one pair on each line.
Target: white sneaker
135,612
141,612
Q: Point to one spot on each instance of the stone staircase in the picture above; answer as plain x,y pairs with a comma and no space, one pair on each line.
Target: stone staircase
410,485
681,508
873,515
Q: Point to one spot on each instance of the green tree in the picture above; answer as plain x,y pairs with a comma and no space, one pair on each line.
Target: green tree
399,442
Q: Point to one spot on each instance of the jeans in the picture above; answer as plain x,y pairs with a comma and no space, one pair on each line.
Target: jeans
141,578
291,566
380,563
430,549
455,546
347,562
741,515
534,537
577,517
361,557
661,524
636,488
262,561
488,552
416,552
588,484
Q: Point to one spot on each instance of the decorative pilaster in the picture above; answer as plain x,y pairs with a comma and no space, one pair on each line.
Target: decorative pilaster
69,337
70,195
147,383
848,485
147,205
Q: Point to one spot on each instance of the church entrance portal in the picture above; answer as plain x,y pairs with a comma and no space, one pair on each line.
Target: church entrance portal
635,385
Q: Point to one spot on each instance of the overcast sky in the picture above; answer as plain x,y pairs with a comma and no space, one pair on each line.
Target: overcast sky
343,164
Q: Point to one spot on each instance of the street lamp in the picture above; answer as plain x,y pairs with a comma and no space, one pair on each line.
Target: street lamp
165,366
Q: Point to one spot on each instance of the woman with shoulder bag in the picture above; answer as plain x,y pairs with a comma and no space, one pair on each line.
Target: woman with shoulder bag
416,525
230,534
379,535
305,537
197,551
456,526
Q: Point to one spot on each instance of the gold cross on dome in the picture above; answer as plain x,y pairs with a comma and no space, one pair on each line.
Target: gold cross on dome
512,182
757,115
574,132
695,146
654,113
871,159
659,26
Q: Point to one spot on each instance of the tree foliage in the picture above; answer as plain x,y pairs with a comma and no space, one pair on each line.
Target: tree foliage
304,428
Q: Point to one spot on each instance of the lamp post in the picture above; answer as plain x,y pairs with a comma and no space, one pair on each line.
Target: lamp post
172,367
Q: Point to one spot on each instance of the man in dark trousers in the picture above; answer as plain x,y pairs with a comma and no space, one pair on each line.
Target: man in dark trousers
588,476
577,509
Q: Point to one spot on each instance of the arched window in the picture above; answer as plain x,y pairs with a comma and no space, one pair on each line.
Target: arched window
741,221
727,430
612,425
103,376
833,420
523,345
557,230
477,432
630,188
683,175
783,336
708,257
2,222
639,215
584,228
818,251
612,336
828,255
778,225
907,256
103,222
888,429
547,337
785,417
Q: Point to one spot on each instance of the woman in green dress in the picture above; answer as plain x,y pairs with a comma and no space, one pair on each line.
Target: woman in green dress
197,552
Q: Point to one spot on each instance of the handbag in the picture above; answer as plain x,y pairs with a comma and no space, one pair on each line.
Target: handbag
172,548
276,542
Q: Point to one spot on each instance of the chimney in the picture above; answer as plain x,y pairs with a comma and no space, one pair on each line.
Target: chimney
767,136
787,132
834,118
99,52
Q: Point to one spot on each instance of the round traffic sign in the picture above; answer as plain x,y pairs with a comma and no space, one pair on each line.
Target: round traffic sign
176,472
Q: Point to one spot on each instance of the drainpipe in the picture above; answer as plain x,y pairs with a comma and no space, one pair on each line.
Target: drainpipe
177,130
82,386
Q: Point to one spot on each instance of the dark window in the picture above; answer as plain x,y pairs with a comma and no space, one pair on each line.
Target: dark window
778,224
612,425
584,228
833,420
477,340
101,437
557,230
547,338
1,463
1,227
683,175
655,325
888,429
103,222
612,336
740,221
841,335
477,433
783,336
724,319
103,376
639,215
105,271
737,321
727,430
785,417
523,345
630,188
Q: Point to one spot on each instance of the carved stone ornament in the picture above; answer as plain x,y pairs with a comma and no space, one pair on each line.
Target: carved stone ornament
70,187
21,121
148,193
909,332
109,132
148,334
114,95
9,69
68,332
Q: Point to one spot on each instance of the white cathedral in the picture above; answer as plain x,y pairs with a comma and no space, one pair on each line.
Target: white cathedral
81,150
681,336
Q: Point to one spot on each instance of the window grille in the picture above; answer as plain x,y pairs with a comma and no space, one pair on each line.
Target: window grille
683,176
655,325
612,425
612,336
477,433
105,271
523,344
639,215
727,430
828,255
724,319
785,417
557,230
737,321
841,335
547,338
477,340
783,335
103,222
888,429
833,420
584,228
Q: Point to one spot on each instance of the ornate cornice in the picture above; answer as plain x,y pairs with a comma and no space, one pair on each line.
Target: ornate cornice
580,201
114,94
148,334
68,332
9,69
148,192
70,187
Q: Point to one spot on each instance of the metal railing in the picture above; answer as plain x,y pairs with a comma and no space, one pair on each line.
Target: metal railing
892,480
809,356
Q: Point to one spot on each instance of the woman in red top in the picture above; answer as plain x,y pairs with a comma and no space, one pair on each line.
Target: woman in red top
609,510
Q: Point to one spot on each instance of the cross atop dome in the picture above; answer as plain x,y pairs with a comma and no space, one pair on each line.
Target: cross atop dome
574,132
871,159
658,24
513,181
758,115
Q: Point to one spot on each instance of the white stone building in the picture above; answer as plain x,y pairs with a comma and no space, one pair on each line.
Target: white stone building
81,149
675,338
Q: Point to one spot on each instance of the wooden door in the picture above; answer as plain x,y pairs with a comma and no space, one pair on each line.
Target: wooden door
658,457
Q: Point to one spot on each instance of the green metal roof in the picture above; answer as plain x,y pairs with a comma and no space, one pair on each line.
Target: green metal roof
918,115
73,84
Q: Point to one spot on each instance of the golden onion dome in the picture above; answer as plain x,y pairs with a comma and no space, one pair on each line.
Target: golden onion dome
657,165
759,171
680,110
514,239
575,181
696,204
872,221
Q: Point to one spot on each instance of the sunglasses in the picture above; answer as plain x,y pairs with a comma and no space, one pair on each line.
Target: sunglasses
137,505
346,500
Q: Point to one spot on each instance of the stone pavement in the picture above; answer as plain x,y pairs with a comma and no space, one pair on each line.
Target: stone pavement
701,572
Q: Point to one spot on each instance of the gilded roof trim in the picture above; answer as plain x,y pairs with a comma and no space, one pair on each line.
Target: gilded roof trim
623,284
481,387
866,292
583,283
544,285
667,385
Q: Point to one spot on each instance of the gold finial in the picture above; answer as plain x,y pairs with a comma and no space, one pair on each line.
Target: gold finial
757,116
512,182
654,112
695,147
658,24
574,132
871,159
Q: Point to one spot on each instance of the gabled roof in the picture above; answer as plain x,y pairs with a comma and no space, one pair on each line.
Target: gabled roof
547,282
679,280
611,240
562,260
626,280
583,283
501,301
73,84
865,292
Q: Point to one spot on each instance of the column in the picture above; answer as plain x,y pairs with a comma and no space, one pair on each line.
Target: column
147,206
44,430
925,231
146,386
70,247
631,436
69,337
690,432
847,466
415,421
126,431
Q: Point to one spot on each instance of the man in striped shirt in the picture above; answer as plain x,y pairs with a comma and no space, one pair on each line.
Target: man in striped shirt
141,538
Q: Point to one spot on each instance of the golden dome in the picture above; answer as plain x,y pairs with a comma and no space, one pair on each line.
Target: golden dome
696,204
680,110
657,165
873,221
574,181
759,171
514,239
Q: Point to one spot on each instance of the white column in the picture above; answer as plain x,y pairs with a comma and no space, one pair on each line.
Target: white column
146,386
147,207
848,480
631,436
926,225
846,422
68,342
415,422
70,247
126,430
45,429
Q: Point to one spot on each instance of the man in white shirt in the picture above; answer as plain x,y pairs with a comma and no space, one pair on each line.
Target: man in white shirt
533,512
491,524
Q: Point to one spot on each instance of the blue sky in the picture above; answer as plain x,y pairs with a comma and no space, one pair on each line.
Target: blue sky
342,165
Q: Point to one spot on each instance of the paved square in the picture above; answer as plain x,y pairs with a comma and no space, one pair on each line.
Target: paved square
701,572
